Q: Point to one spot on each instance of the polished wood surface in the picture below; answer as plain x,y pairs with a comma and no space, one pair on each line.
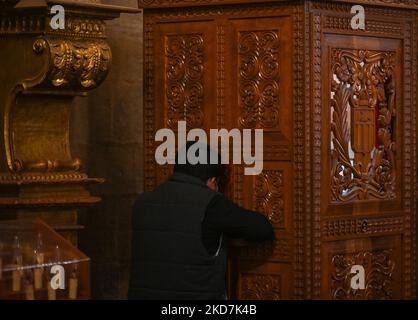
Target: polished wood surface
338,111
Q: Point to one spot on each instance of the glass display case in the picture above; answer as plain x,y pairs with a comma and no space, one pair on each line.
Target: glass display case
36,263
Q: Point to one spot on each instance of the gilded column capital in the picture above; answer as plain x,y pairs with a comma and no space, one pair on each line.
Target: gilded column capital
74,64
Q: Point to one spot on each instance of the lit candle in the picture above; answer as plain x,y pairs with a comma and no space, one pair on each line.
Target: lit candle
40,258
1,260
29,293
73,288
51,293
39,250
73,283
16,280
38,278
38,272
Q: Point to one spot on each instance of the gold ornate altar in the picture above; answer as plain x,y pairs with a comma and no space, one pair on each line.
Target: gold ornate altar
42,71
338,110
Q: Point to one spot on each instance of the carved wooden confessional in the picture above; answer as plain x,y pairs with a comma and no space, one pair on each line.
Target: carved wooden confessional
338,109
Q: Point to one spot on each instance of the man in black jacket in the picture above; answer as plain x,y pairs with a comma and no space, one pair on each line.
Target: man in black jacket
179,235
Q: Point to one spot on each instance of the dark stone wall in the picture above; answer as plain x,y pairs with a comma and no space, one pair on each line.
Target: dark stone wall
107,135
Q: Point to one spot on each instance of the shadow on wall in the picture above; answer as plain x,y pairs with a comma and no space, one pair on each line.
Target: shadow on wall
107,135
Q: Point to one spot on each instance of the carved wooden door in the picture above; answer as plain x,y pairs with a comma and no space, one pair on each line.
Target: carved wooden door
364,136
232,69
337,107
259,68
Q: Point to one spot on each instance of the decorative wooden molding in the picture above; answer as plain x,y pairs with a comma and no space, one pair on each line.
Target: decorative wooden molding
45,178
155,4
413,209
148,4
343,24
409,155
279,250
238,172
149,114
75,26
220,77
317,136
301,154
90,7
403,4
336,229
389,7
47,202
90,27
277,152
16,24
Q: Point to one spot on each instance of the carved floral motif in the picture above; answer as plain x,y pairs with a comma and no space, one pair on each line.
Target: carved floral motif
379,267
83,64
260,287
184,78
258,82
269,196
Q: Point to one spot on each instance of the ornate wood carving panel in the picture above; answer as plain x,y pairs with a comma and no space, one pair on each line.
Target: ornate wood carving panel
182,87
258,78
185,88
261,86
260,287
271,193
184,79
362,139
269,198
381,263
269,281
379,268
363,125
